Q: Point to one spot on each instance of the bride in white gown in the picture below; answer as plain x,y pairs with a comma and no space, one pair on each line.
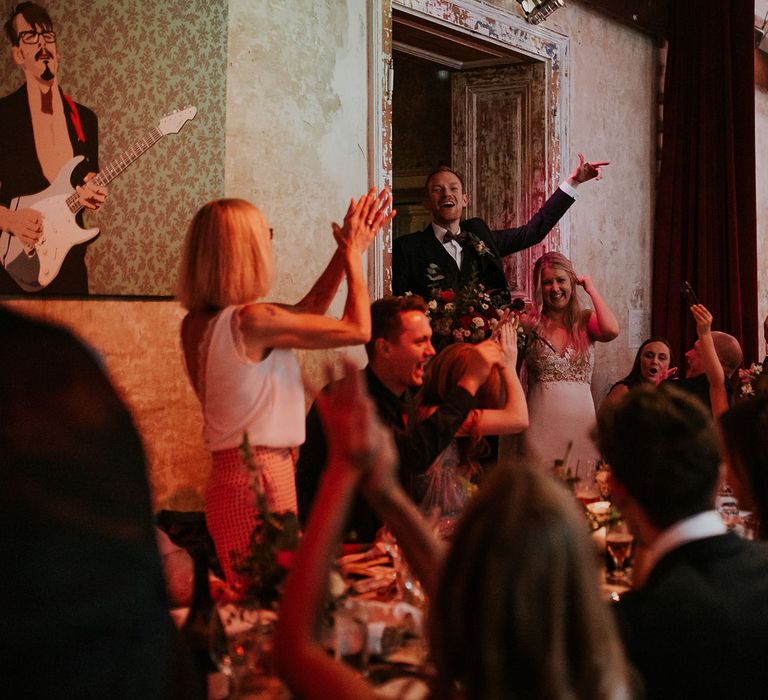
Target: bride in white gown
559,358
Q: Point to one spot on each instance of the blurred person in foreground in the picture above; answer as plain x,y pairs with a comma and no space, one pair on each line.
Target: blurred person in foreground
515,608
744,428
697,623
84,613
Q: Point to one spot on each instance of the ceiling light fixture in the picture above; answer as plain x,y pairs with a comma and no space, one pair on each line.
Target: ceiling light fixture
538,10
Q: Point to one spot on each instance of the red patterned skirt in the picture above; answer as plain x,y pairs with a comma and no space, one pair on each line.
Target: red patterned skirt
230,504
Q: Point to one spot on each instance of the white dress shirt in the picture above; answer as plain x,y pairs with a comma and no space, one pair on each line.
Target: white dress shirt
697,527
453,248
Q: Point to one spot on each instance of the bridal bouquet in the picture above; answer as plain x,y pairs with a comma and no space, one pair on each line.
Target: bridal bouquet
470,315
747,378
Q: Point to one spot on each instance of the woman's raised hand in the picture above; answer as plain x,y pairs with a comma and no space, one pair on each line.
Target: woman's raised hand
586,282
363,220
703,319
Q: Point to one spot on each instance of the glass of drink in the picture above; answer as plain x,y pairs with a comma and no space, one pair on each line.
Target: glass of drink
586,488
618,543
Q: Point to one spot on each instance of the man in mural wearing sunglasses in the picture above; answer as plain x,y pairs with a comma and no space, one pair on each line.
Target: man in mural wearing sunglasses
41,130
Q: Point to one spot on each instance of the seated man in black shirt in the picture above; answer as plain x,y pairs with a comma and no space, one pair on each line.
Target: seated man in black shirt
398,351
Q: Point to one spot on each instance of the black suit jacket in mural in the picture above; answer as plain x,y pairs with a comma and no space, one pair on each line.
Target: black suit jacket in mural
21,174
421,264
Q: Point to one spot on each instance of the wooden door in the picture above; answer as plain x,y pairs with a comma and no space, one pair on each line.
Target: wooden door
499,142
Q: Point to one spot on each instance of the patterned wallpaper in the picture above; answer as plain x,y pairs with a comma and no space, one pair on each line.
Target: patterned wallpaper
133,63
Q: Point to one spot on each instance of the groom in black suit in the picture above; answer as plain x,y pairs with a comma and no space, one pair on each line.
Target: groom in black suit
447,253
696,625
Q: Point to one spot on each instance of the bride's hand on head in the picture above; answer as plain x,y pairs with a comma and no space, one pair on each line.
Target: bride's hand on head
586,282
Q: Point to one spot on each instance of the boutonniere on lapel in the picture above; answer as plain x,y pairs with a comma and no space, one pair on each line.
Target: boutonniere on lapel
479,245
434,275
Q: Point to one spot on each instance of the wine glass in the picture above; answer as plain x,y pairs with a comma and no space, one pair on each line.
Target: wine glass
586,489
618,543
241,645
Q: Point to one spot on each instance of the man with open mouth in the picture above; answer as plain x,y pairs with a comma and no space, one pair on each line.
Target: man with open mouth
41,130
450,252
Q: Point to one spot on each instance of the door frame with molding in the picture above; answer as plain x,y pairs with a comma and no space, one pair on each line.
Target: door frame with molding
492,25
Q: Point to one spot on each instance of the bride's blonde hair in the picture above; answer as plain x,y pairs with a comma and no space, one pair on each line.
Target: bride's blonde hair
575,318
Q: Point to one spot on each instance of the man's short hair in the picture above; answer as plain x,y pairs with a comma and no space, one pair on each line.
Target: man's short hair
35,15
662,446
442,169
385,317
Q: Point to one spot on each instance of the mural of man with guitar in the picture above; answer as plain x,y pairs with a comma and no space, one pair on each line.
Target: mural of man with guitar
41,131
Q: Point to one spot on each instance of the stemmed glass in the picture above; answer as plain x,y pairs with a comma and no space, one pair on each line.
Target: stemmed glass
586,489
241,645
618,543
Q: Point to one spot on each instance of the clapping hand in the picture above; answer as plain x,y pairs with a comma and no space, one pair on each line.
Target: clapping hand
507,335
586,170
363,220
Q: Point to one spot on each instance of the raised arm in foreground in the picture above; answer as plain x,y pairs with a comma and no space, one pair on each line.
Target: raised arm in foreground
356,439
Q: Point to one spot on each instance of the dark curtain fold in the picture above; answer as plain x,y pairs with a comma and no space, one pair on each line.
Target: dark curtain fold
705,228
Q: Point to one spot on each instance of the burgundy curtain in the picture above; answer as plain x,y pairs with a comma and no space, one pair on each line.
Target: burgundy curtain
705,228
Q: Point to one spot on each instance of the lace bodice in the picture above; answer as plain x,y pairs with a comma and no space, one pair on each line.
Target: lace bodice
543,364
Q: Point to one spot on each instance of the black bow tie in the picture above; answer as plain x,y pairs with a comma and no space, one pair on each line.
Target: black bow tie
460,237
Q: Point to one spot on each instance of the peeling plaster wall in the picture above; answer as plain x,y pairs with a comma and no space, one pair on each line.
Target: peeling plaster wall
297,139
612,117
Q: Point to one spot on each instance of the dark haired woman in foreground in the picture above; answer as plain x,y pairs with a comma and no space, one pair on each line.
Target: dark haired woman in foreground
516,610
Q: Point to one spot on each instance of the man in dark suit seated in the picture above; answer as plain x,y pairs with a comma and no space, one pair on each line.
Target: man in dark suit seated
398,351
449,252
696,624
696,383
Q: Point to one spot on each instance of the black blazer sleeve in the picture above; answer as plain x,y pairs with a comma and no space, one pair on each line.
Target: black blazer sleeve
512,240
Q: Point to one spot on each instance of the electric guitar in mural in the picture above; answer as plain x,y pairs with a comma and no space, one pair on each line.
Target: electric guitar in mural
34,267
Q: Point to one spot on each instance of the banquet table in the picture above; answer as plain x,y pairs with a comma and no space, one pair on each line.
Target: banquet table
377,609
